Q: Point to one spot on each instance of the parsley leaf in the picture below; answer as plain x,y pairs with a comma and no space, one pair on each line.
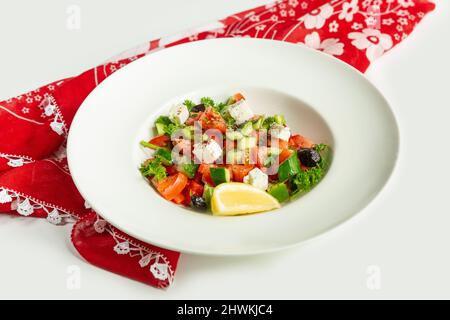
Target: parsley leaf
165,120
207,101
153,168
220,107
304,181
189,104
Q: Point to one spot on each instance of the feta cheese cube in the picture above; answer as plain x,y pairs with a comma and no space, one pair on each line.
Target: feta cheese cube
207,153
280,132
179,114
240,111
257,178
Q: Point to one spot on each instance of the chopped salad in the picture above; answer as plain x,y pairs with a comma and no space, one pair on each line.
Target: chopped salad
224,158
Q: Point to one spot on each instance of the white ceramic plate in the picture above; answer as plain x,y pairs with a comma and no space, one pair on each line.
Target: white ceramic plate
320,96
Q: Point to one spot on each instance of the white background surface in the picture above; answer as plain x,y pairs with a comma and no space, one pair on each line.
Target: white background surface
404,234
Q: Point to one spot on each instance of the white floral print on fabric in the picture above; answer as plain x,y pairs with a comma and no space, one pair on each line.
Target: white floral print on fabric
160,266
50,109
159,270
122,248
26,206
317,17
331,46
373,41
406,3
54,217
348,10
5,197
15,161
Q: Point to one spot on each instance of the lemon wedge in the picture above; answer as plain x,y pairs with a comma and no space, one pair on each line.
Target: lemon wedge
234,198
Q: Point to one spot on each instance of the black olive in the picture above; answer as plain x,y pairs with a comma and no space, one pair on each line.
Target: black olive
198,108
308,157
198,202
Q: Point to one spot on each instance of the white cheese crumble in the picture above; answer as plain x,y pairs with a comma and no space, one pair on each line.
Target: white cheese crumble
179,114
240,111
280,132
257,178
207,153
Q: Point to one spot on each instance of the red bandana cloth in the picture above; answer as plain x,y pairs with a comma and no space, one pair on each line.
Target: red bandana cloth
34,177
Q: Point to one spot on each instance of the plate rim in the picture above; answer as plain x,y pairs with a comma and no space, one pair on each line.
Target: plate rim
325,231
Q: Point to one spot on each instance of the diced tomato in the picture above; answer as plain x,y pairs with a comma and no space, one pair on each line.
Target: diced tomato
211,119
239,171
179,198
238,96
278,143
171,170
187,196
172,186
203,169
297,141
285,153
206,178
160,141
198,177
195,188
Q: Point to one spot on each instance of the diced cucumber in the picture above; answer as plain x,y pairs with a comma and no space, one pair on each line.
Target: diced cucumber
290,167
219,175
148,145
207,194
165,155
234,135
188,132
160,128
269,121
247,129
247,143
279,191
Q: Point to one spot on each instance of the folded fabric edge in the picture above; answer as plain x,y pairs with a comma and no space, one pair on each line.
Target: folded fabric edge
96,240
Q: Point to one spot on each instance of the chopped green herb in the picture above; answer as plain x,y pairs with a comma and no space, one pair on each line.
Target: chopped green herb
220,107
189,104
164,120
153,168
229,120
165,126
304,181
321,147
207,101
164,155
